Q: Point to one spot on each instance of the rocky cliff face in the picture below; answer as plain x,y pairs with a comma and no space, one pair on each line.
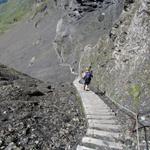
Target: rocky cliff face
121,59
81,24
121,64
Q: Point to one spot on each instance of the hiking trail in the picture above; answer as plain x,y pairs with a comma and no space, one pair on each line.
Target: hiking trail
103,132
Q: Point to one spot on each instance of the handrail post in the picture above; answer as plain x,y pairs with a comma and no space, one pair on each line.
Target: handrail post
147,147
137,131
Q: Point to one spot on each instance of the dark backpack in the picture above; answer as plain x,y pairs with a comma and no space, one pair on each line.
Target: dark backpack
88,75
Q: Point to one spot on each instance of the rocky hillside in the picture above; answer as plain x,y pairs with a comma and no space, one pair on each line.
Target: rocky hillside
121,59
55,34
37,115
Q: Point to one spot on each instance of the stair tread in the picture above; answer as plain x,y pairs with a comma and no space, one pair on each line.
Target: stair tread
102,133
99,142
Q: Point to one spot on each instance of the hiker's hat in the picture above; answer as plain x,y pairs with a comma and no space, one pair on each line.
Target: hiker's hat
87,69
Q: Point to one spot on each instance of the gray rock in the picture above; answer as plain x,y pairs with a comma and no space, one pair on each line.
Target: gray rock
12,146
35,93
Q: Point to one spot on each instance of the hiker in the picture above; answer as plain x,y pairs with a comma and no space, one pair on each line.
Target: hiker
88,75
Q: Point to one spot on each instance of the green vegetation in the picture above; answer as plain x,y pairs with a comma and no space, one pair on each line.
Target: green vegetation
13,11
135,92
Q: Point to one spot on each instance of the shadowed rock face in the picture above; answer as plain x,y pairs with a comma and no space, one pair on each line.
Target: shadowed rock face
37,115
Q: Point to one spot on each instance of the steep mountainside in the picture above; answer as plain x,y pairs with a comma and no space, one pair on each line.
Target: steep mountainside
60,37
54,35
121,64
121,60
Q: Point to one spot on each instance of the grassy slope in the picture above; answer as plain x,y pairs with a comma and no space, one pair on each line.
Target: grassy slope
13,11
